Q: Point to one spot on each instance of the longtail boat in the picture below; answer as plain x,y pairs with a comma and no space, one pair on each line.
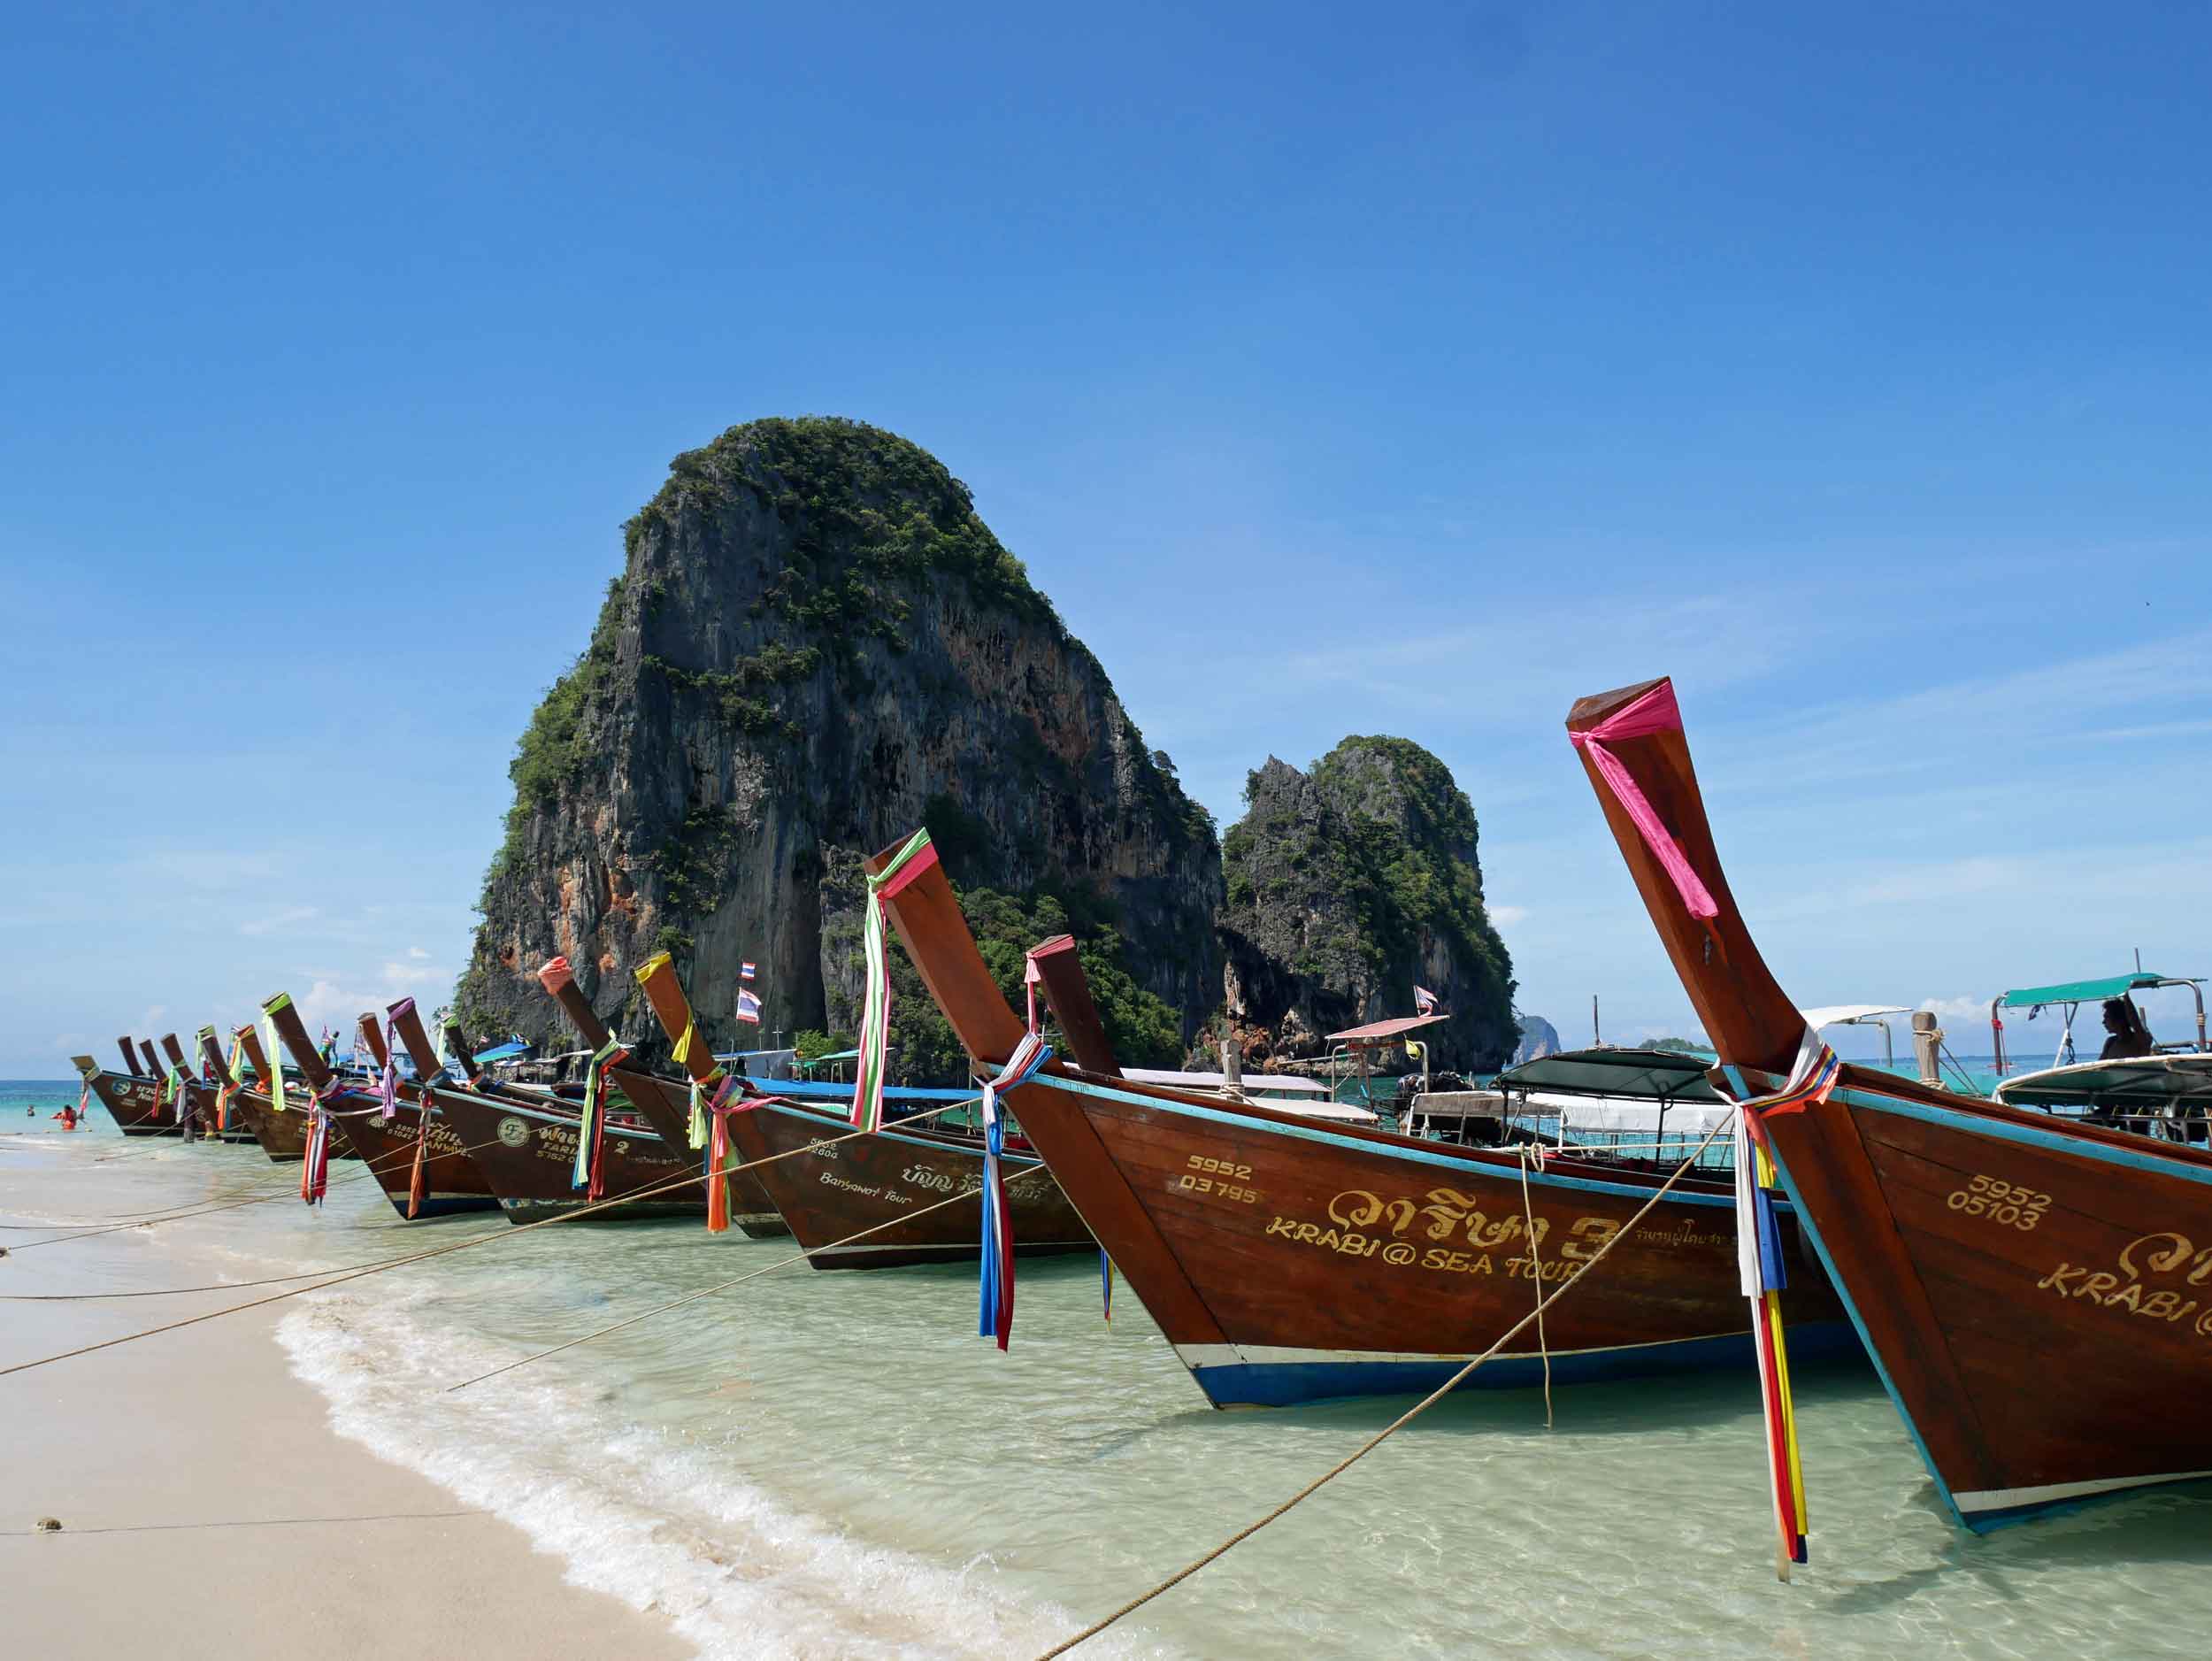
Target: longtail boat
396,1148
133,1101
664,1105
525,1142
283,1136
2035,1289
194,1096
1289,1259
830,1184
212,1104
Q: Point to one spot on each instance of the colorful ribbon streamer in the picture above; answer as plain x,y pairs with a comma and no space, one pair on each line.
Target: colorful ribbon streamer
1760,1263
697,1128
315,1168
274,1049
909,863
591,1130
995,1313
390,1087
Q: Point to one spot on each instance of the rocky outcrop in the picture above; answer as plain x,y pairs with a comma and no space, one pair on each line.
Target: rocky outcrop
1347,887
1538,1038
814,647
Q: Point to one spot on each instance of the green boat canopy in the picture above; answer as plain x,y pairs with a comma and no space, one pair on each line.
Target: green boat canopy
2082,991
1648,1076
2144,1084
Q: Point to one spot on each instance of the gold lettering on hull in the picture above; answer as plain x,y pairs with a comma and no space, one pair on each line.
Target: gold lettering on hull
2169,1256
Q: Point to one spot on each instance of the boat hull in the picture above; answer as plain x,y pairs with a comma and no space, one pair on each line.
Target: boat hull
879,1186
454,1185
282,1136
528,1156
2038,1296
667,1108
1291,1261
200,1097
132,1104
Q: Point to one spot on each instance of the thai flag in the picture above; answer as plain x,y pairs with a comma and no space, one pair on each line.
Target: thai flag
748,1006
744,971
1424,1000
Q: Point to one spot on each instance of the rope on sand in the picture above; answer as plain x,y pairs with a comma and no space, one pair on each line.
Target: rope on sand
520,1229
1395,1424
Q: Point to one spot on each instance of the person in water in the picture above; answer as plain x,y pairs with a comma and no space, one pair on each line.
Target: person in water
2131,1037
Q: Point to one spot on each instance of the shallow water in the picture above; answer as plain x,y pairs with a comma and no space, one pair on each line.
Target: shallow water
832,1465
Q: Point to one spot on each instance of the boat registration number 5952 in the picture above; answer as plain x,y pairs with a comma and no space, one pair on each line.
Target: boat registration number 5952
2006,1203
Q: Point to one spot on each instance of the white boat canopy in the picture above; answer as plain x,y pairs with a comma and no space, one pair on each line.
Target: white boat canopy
1849,1014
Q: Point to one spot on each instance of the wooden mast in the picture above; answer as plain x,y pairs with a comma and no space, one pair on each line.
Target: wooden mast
251,1039
665,992
1750,1020
292,1031
1069,992
372,1036
151,1062
130,1057
559,981
408,1020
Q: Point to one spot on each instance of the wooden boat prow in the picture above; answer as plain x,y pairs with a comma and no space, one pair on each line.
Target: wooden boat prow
1289,1259
2024,1282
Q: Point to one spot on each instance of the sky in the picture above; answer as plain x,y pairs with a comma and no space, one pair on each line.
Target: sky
1395,369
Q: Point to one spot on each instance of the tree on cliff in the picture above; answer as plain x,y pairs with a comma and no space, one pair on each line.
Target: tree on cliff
814,646
1349,886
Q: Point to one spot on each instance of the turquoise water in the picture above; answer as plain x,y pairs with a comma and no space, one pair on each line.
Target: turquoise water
47,1097
834,1464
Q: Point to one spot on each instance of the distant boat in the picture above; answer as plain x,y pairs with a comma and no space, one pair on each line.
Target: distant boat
873,1201
132,1098
2036,1289
1289,1259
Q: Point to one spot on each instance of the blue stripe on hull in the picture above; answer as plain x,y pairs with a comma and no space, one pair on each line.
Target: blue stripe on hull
1989,1521
1286,1383
447,1206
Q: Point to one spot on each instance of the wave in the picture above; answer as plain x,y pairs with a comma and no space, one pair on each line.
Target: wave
633,1510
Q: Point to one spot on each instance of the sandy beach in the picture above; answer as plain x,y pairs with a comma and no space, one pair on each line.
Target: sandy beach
208,1507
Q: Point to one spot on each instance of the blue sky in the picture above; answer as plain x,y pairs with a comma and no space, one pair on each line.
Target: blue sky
1403,369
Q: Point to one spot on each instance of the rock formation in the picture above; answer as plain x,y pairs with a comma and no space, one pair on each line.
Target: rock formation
814,647
1346,887
1539,1037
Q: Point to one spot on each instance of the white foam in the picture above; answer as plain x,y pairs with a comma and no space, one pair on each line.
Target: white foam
630,1510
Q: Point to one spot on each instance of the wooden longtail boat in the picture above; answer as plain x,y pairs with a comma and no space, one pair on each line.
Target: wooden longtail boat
452,1184
1292,1260
215,1121
829,1185
194,1095
132,1101
282,1136
664,1105
525,1143
2037,1293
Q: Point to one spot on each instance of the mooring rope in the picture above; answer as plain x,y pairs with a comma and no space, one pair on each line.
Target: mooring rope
781,1263
1395,1424
340,1277
1536,1264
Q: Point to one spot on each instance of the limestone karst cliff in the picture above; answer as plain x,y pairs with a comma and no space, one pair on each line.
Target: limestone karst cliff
815,646
1346,887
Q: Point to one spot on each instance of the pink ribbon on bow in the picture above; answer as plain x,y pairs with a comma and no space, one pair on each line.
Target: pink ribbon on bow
1656,712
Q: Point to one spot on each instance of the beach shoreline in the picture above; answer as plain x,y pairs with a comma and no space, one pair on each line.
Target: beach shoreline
203,1492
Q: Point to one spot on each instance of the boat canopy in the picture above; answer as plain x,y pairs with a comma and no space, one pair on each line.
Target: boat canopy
501,1052
2143,1083
1381,1032
2084,991
1254,1084
1849,1014
1642,1075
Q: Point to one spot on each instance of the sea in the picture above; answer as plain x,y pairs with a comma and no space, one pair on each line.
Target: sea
834,1465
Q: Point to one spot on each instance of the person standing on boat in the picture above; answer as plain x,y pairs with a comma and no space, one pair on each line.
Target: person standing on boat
2130,1036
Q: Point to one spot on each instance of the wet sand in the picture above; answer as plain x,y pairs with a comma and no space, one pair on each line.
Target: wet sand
208,1509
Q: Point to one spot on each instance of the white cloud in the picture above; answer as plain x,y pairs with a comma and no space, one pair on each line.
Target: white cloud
1958,1008
153,1014
1504,916
417,953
